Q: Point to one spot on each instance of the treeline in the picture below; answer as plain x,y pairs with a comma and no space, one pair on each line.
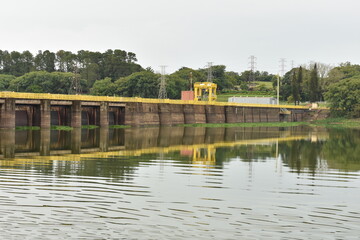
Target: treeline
116,73
339,86
146,83
91,66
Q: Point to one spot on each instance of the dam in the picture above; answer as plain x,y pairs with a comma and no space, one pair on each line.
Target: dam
45,110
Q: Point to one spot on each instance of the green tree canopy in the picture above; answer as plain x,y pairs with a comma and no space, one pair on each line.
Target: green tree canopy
104,87
141,84
5,81
344,97
44,82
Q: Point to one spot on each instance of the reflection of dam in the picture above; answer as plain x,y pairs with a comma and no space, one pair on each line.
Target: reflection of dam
106,142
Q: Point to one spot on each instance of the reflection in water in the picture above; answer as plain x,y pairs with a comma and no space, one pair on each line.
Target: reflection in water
180,182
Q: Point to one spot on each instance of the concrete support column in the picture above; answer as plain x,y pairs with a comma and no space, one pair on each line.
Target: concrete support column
7,114
104,139
104,114
7,142
75,114
76,141
230,114
133,114
215,114
44,142
165,114
45,114
200,115
189,114
177,114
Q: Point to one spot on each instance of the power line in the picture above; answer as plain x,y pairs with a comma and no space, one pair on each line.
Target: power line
162,90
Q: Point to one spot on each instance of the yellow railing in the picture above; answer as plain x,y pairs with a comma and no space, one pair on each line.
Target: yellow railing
153,150
62,97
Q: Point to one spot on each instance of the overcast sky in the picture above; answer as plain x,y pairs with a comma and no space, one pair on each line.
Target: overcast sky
189,33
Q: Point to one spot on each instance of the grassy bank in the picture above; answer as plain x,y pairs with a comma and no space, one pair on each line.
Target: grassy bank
330,122
262,124
337,123
119,126
224,96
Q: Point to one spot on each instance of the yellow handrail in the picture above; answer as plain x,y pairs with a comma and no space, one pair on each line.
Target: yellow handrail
48,96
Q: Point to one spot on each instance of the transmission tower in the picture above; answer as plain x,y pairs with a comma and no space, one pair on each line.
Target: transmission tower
252,63
282,65
209,72
292,64
162,90
75,86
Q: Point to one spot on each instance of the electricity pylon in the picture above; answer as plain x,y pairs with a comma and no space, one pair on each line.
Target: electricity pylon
75,86
162,90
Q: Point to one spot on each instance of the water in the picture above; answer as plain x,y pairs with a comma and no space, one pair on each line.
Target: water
180,183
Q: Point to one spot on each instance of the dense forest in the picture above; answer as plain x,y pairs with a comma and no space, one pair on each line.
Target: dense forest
33,71
116,73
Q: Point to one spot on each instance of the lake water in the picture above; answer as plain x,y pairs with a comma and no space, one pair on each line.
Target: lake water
180,183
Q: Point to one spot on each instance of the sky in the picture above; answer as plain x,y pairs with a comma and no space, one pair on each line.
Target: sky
189,33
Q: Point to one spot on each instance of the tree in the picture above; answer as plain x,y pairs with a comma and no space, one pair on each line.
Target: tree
140,84
285,85
344,97
15,63
314,85
45,61
295,87
174,85
27,62
44,82
300,80
104,87
5,81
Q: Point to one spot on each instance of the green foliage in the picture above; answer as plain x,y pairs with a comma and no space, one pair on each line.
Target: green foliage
5,81
285,85
141,84
44,82
174,85
296,81
314,91
185,74
104,87
261,87
257,75
344,97
91,65
220,78
345,70
295,86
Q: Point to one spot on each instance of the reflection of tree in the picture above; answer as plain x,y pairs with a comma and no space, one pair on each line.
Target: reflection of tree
247,153
342,150
116,168
301,154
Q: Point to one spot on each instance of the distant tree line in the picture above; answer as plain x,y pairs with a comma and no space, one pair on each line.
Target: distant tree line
91,66
146,83
116,73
